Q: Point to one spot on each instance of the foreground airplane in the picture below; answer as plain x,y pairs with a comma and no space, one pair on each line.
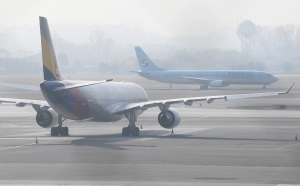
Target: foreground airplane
99,101
205,78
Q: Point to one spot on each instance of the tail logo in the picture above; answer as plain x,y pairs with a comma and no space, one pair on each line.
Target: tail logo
144,62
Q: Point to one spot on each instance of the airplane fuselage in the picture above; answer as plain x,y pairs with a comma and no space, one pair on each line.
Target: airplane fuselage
227,76
94,102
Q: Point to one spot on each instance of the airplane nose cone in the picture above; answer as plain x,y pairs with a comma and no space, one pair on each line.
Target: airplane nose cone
275,79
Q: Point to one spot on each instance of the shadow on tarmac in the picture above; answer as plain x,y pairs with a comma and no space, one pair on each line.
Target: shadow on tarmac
108,141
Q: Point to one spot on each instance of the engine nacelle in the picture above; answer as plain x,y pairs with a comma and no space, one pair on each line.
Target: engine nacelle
47,118
216,83
169,119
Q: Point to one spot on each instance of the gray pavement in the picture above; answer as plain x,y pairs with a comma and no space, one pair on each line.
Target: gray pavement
211,146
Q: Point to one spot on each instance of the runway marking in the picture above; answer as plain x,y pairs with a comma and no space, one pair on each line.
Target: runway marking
16,126
287,146
248,128
195,119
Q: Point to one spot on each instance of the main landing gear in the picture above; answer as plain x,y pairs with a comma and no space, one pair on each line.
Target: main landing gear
60,130
204,87
131,129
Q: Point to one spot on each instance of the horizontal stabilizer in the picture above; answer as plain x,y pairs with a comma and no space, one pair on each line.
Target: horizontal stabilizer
139,72
80,85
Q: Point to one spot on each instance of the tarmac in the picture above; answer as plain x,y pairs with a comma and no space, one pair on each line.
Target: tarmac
215,144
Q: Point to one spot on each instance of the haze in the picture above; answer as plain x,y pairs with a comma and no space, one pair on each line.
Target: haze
189,34
168,17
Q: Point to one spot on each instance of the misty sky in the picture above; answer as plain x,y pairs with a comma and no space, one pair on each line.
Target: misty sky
168,17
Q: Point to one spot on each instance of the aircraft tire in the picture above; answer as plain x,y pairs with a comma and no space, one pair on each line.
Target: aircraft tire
64,131
135,131
54,131
125,131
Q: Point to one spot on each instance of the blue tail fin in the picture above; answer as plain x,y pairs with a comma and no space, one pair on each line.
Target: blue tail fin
144,61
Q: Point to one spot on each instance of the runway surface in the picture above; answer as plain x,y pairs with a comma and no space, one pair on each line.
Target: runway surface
215,144
210,146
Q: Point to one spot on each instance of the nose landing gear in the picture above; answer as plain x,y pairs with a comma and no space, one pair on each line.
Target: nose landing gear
60,130
132,129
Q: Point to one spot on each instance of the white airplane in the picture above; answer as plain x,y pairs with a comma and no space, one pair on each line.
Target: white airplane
99,101
205,78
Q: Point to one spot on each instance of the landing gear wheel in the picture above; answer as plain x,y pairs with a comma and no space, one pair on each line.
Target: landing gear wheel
54,131
63,131
264,87
125,131
132,129
135,131
60,130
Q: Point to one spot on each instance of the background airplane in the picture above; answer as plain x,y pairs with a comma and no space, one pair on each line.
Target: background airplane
205,78
99,101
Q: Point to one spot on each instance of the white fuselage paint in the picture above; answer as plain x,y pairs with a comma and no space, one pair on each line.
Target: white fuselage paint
227,76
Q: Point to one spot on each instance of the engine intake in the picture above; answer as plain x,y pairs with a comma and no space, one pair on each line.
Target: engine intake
47,118
169,119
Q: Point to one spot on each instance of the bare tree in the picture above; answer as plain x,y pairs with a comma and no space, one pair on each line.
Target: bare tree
96,38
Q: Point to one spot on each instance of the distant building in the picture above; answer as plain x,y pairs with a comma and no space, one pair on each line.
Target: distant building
31,64
3,53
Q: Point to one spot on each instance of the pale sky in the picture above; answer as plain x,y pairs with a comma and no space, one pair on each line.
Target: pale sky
168,17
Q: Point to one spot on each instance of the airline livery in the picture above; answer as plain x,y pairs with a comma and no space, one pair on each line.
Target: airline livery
99,101
205,78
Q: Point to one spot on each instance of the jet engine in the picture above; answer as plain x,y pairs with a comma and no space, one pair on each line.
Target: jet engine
216,83
169,119
47,118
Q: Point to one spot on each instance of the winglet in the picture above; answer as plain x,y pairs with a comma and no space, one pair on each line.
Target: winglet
286,92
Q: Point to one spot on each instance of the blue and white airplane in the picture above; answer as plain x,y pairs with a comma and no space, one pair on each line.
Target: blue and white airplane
205,78
99,101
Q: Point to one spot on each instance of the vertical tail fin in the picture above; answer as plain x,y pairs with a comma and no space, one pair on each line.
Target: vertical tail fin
50,66
144,61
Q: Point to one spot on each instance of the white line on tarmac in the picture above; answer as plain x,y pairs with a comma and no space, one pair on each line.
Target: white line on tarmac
288,146
246,128
194,119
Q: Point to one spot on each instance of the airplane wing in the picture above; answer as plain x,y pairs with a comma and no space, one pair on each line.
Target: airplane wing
80,85
26,87
36,104
197,80
163,104
138,72
38,89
